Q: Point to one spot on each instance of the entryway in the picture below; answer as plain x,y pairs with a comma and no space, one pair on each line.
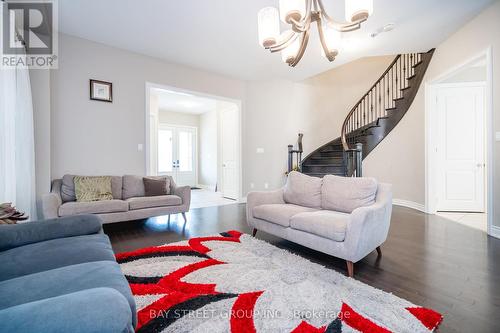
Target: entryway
458,140
195,138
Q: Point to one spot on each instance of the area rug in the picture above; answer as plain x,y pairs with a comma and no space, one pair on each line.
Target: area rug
233,282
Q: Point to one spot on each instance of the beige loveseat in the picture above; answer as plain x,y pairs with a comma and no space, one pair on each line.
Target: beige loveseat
129,200
341,216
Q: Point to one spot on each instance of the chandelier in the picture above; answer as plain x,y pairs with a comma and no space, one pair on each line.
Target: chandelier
299,15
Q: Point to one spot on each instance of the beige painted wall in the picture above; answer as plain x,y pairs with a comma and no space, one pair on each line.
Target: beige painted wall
40,82
276,111
90,137
408,138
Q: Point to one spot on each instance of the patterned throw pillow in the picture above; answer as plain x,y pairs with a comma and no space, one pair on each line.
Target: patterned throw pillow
89,189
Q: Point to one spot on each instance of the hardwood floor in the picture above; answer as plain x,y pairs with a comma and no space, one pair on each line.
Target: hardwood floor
427,259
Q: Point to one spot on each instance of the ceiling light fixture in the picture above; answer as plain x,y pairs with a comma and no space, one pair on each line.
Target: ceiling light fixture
299,14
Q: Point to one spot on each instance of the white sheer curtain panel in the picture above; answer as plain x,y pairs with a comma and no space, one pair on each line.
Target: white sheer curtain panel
17,152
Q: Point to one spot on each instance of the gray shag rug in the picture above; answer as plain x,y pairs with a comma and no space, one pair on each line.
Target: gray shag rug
233,282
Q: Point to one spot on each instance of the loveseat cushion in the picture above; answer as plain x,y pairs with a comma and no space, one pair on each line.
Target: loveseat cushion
55,253
303,190
324,223
279,213
68,188
156,201
345,194
94,207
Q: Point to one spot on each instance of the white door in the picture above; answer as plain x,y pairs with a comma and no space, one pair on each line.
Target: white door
230,153
461,148
177,154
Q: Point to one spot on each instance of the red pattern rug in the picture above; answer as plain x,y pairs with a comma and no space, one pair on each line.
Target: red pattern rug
233,282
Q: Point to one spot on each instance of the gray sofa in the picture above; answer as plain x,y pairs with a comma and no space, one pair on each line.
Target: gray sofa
61,275
344,217
129,200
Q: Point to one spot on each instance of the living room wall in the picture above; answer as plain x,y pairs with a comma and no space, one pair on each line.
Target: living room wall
90,137
408,139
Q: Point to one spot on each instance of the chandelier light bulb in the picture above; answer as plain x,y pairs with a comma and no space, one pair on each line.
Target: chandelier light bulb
289,53
269,26
295,9
356,10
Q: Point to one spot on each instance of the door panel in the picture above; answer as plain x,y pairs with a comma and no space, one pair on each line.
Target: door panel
177,154
461,148
186,158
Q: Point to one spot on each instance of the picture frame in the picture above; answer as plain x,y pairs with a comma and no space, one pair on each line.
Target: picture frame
101,91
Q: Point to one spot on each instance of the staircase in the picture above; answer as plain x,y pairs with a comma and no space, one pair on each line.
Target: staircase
371,119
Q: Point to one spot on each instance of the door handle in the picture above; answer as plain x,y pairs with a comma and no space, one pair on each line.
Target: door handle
480,165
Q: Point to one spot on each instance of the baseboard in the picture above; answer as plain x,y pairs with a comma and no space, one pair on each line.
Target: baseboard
409,204
495,231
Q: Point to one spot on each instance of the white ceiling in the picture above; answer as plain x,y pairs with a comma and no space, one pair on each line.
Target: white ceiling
183,102
221,35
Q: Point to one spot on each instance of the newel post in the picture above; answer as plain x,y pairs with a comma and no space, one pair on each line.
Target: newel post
290,158
359,159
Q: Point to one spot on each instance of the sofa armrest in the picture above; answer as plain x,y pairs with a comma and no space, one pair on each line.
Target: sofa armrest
261,198
15,235
50,205
52,201
184,192
80,312
369,226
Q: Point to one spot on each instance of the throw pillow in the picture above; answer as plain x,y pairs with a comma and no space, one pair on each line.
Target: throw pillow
345,194
95,188
155,186
303,190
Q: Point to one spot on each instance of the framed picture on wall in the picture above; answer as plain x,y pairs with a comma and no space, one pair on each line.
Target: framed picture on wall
101,91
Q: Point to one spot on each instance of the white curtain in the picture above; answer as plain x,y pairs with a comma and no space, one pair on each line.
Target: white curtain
17,152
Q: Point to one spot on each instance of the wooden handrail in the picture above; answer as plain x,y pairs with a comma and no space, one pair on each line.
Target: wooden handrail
346,121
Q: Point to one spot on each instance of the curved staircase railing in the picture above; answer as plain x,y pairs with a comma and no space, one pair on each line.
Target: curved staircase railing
371,118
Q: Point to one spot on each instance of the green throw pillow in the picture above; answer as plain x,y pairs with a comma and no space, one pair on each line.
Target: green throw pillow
89,189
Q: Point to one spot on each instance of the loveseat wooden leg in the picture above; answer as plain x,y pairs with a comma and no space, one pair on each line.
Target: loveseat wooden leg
254,232
379,251
350,268
184,217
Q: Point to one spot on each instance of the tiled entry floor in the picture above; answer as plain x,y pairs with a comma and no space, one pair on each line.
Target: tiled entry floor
206,198
473,220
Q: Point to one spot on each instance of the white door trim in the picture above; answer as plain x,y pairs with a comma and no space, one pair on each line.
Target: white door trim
147,145
430,136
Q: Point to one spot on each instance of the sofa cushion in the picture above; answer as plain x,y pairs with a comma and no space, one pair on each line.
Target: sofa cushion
157,201
68,188
64,280
155,186
90,188
324,223
94,207
303,190
55,253
279,213
345,194
133,186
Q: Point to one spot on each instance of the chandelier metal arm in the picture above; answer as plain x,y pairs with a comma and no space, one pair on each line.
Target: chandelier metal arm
330,55
302,49
283,45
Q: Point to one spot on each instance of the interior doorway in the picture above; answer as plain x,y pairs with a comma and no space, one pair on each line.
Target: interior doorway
196,139
459,140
